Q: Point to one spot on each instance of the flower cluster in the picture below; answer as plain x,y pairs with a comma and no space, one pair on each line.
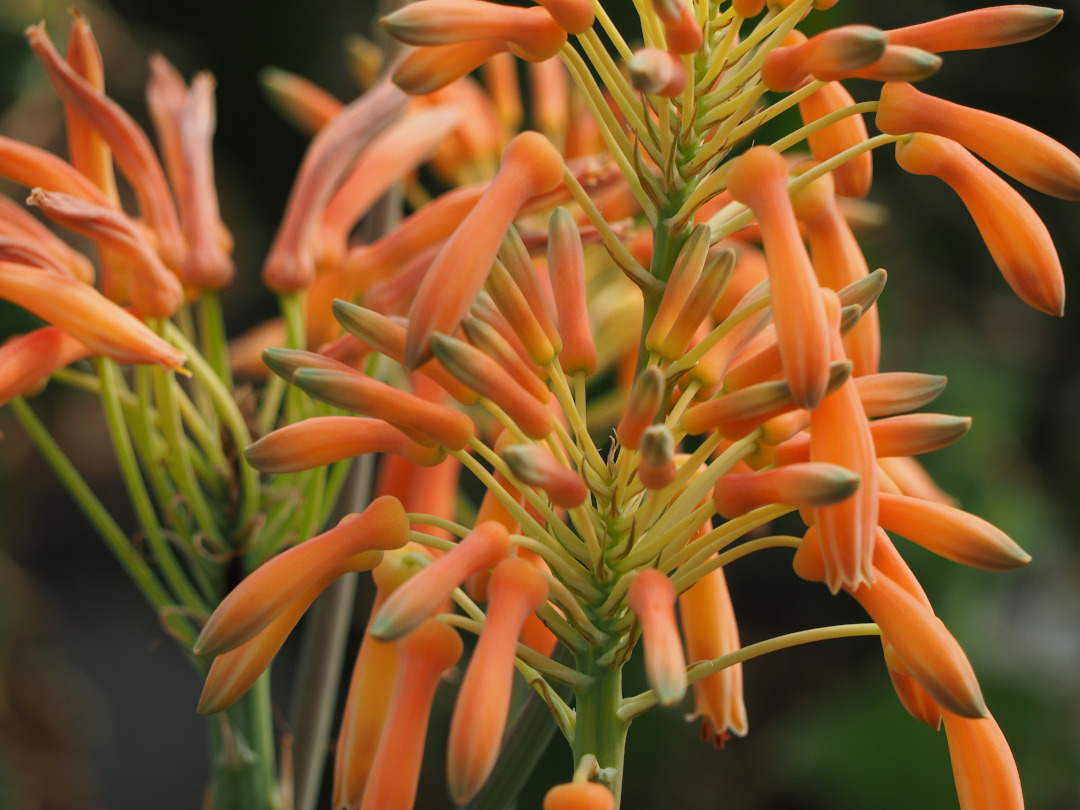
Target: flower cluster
646,338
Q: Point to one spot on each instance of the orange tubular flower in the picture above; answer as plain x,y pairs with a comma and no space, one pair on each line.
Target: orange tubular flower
805,486
838,261
303,103
155,291
422,595
86,315
840,434
758,178
393,153
356,543
657,72
431,67
88,150
290,265
951,533
130,146
327,439
852,178
1017,238
678,287
371,689
517,590
711,631
646,397
1023,153
681,29
532,32
484,375
530,166
652,599
832,54
348,389
657,468
426,654
983,766
906,435
533,465
566,265
26,361
579,796
18,223
981,28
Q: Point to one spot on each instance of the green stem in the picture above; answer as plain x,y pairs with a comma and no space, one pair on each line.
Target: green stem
114,537
136,488
243,757
599,730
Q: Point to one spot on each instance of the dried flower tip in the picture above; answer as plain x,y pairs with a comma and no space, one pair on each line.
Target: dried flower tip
951,533
646,397
1023,153
657,72
530,166
356,543
832,54
803,486
657,467
301,102
421,596
484,375
425,655
155,291
1015,235
978,29
579,796
324,440
535,466
758,178
348,389
517,590
853,177
532,32
652,599
129,144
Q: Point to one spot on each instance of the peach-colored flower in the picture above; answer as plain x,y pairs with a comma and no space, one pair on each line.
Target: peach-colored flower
579,796
517,590
652,599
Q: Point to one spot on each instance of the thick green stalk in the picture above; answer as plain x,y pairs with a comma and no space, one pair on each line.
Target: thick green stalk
243,757
598,729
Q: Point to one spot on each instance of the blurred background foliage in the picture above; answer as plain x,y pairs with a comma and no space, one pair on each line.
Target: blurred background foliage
97,706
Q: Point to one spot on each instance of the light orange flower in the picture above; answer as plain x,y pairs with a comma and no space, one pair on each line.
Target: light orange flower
652,599
517,590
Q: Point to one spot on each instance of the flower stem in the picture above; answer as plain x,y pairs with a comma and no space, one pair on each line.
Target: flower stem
599,730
